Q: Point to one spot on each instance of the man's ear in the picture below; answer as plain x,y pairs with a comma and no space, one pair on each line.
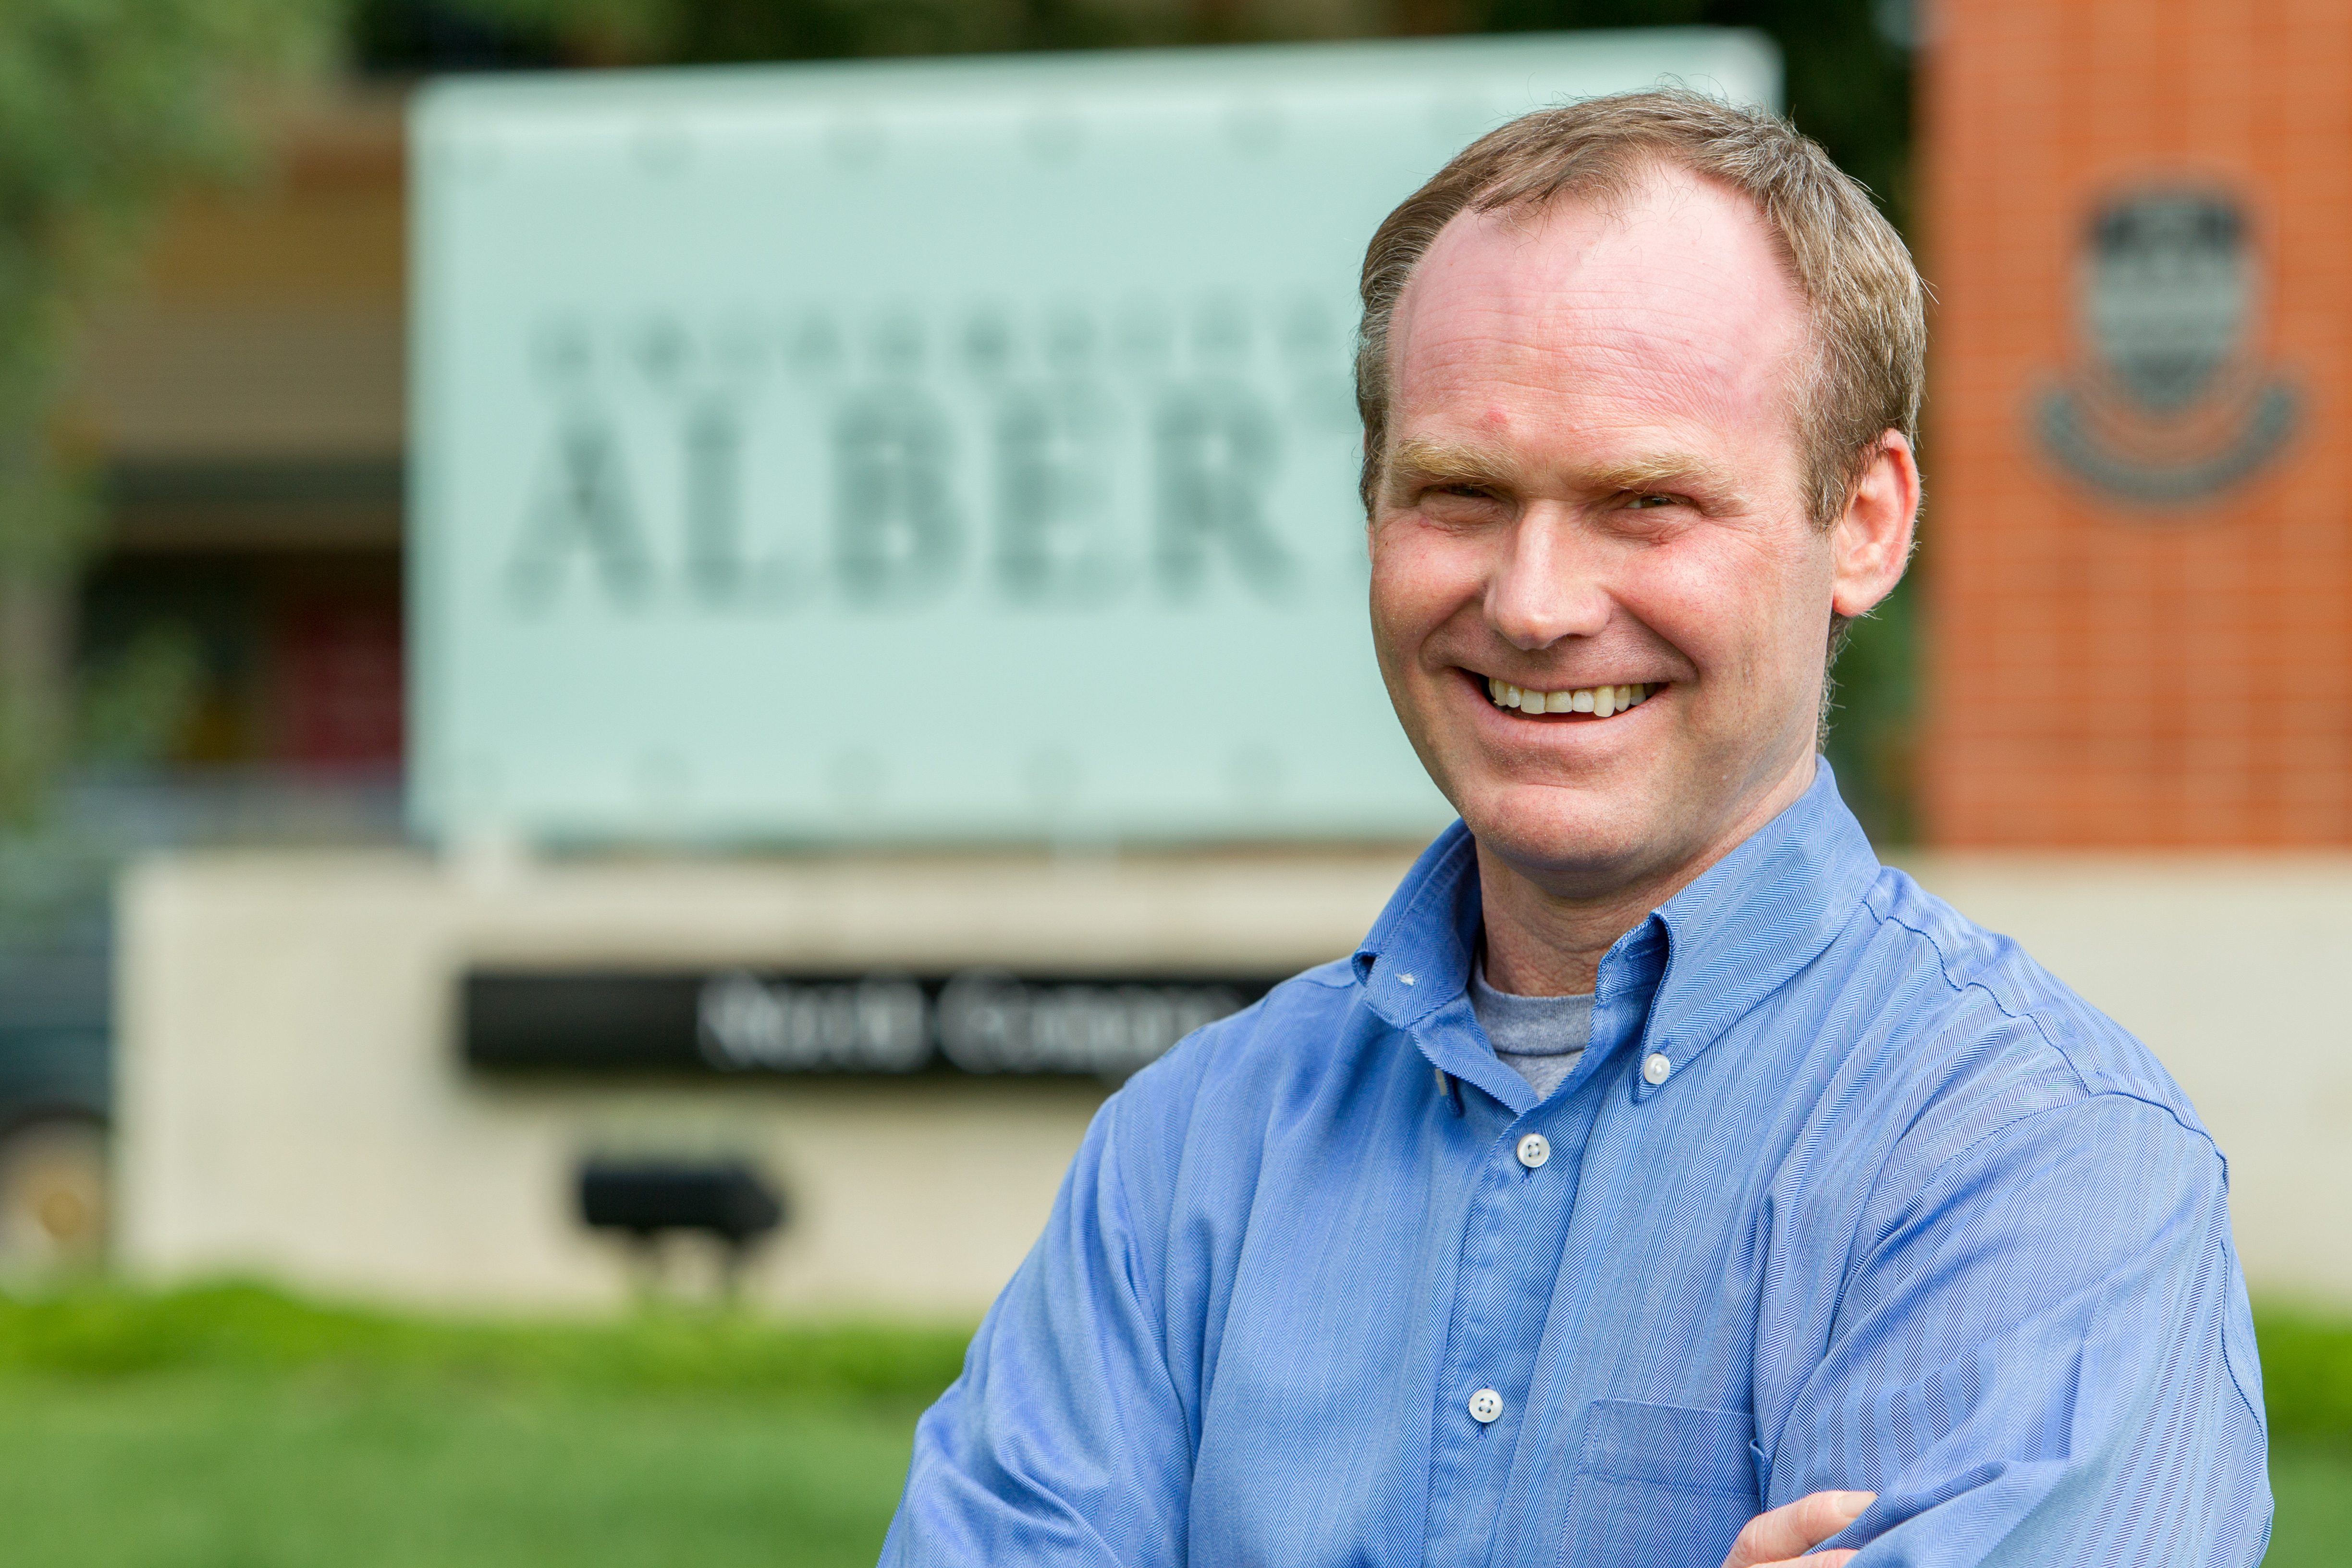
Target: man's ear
1871,543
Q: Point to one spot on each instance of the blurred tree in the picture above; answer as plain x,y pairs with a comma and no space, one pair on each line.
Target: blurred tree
105,107
410,37
1848,66
669,32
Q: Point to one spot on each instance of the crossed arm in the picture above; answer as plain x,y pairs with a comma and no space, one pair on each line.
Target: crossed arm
2076,1386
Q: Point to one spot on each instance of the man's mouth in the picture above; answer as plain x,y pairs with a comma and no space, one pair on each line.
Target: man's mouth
1600,701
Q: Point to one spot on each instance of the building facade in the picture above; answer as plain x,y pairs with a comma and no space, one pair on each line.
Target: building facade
2138,556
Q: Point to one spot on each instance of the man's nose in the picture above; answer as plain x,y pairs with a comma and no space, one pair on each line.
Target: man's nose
1546,586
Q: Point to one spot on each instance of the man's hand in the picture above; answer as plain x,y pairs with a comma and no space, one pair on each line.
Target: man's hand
1781,1538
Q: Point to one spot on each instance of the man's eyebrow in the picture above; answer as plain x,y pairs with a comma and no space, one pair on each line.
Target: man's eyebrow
1667,471
1460,462
1447,462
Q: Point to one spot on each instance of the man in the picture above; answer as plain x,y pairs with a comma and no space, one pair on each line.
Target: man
1663,1182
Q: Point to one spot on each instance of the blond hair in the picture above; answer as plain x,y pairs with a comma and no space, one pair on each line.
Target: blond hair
1866,303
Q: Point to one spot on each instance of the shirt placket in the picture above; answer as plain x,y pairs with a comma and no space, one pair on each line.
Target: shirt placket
1513,1252
1515,1228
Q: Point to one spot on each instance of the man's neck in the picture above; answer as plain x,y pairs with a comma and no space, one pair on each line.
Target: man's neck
1542,943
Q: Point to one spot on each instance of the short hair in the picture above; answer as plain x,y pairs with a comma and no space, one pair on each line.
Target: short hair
1866,304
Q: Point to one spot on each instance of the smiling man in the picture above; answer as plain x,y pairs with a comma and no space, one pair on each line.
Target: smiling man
1663,1182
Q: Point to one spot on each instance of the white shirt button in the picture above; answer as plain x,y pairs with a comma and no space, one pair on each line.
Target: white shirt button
1534,1149
1484,1405
1656,1069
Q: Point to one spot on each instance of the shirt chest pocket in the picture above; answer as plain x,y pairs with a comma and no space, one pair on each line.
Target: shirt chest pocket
1660,1486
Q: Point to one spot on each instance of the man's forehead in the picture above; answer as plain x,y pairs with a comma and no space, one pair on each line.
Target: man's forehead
1676,285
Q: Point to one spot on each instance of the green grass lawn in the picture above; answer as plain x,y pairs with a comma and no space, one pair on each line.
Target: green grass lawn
2312,1483
190,1470
235,1428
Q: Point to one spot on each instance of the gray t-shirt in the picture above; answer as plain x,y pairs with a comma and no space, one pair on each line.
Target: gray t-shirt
1538,1037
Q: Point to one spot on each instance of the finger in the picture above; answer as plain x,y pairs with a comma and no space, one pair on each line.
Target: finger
1774,1539
1837,1559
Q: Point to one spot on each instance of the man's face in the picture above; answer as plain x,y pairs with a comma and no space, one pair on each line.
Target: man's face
1592,481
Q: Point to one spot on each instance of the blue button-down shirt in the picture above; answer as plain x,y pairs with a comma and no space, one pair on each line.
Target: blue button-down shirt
1897,1212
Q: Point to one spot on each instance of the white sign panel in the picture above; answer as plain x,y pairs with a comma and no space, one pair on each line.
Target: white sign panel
923,452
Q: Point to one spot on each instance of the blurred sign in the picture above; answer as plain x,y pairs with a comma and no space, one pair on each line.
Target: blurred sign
737,1024
925,451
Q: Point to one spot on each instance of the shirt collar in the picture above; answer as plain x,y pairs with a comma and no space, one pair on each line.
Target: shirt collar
1755,918
1733,936
1417,956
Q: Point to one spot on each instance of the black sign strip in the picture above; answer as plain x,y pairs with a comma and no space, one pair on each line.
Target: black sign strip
749,1024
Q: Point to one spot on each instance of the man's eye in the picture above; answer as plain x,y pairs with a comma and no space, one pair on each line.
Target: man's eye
1467,493
1643,503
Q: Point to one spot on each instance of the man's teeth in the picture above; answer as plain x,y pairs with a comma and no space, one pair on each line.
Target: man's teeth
1598,701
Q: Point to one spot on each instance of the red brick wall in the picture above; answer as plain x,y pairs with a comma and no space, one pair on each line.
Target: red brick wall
2104,672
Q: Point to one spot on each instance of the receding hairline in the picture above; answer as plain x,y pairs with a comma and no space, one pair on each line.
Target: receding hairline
1617,198
1614,189
1614,192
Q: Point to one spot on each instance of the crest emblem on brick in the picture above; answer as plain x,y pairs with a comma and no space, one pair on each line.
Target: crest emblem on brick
2167,404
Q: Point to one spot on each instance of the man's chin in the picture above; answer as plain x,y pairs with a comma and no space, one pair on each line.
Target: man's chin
1570,844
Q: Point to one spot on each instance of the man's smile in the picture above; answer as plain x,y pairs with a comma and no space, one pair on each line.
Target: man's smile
1587,703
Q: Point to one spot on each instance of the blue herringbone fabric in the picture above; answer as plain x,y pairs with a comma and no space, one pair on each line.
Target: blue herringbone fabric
1906,1215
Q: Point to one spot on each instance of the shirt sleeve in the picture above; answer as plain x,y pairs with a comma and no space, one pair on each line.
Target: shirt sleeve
2045,1356
1062,1442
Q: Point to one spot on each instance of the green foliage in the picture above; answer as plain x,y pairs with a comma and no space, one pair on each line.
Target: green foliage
108,1331
1848,87
134,704
2307,1375
106,106
647,32
1875,693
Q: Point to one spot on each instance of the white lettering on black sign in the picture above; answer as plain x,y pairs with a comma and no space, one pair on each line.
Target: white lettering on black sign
981,1021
